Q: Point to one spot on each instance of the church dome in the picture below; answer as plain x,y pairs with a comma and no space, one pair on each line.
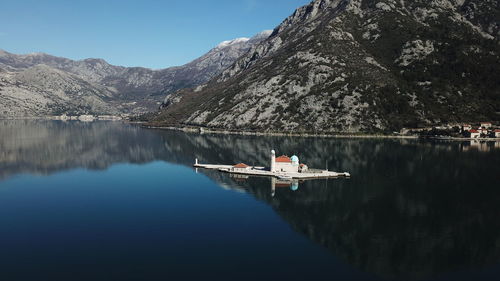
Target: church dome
295,159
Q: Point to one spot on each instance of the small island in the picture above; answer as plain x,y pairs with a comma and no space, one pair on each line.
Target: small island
283,167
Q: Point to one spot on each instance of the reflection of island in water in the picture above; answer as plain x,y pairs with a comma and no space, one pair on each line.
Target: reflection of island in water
411,210
276,183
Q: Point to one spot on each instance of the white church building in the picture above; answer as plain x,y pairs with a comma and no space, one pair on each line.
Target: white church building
286,164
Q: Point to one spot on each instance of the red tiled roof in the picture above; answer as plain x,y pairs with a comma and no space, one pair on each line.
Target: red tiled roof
241,165
473,131
497,131
284,159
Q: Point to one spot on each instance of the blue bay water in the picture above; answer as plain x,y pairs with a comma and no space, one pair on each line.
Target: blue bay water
111,201
146,222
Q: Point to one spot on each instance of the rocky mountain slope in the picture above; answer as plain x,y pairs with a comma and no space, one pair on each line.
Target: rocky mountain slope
357,65
40,84
41,90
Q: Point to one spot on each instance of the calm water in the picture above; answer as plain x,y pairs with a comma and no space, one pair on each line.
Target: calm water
109,201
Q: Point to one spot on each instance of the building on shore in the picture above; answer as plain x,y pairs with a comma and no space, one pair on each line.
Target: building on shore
474,134
486,125
284,163
303,168
86,118
241,167
109,117
466,127
483,130
496,133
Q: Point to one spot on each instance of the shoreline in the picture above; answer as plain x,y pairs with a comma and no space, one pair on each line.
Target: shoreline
462,139
81,118
201,130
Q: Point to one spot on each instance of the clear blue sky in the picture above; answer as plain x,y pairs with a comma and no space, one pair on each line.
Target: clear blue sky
149,33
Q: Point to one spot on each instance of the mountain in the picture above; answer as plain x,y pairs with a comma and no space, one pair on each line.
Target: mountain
39,84
42,90
357,65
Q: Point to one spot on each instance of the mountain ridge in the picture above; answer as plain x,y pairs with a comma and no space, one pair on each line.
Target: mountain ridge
130,90
339,65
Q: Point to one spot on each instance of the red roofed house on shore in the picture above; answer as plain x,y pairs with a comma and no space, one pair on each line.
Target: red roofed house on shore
496,133
474,134
466,127
303,168
486,125
242,167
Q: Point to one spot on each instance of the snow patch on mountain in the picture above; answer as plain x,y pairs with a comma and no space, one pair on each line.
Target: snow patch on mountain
224,44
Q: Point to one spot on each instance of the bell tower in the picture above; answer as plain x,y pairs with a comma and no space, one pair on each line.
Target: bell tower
273,160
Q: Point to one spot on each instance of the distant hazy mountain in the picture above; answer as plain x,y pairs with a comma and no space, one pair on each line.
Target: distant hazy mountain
358,65
39,84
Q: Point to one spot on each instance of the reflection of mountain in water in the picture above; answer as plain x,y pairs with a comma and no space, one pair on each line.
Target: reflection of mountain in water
411,210
43,147
394,234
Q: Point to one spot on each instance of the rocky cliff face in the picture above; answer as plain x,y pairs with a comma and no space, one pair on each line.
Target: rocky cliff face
357,65
41,90
40,84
